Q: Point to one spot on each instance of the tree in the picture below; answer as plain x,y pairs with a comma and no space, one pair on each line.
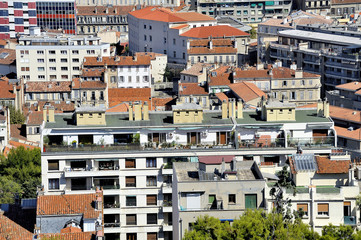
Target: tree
253,33
8,189
337,232
16,117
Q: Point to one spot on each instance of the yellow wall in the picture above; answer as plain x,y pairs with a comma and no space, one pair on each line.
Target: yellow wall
83,119
187,116
281,114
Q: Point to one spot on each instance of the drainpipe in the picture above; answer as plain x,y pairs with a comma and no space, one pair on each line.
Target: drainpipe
312,190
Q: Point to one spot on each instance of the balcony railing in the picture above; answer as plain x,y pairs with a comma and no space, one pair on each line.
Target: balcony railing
311,142
349,220
93,148
262,143
111,205
111,225
107,187
167,203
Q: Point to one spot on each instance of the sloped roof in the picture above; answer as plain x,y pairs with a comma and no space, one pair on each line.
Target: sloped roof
119,95
35,118
221,96
277,73
46,86
246,91
218,31
6,89
70,236
221,77
117,61
196,69
186,89
327,166
215,159
9,56
351,86
92,72
345,133
68,204
101,10
166,15
345,114
10,230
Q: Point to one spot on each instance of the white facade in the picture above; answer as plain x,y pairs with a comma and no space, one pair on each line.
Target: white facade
58,58
134,76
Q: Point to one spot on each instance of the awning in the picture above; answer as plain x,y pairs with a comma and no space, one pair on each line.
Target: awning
76,160
191,128
270,3
226,220
161,129
105,159
260,4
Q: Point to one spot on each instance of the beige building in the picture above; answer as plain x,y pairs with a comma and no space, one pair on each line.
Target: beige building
158,64
218,186
196,73
56,57
193,93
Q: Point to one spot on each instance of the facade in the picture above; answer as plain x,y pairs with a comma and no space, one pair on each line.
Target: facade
158,63
193,93
325,190
94,19
250,12
217,186
346,95
165,3
58,58
17,17
7,61
196,73
57,15
4,128
331,53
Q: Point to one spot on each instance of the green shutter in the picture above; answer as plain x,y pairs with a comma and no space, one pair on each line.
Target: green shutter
251,200
211,199
270,3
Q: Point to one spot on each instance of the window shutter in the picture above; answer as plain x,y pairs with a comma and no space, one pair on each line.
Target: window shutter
322,207
303,206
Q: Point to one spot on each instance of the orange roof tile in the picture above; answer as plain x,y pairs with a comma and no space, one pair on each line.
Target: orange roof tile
326,166
103,10
246,91
10,230
166,15
277,73
19,144
196,69
70,236
10,57
119,95
221,96
35,118
121,107
152,55
156,103
68,204
46,86
92,72
6,89
345,114
222,77
70,229
214,31
3,42
214,50
297,18
17,131
180,26
117,61
345,133
186,89
93,85
351,86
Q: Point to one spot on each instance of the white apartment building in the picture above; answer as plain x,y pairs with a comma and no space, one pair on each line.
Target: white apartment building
130,154
124,71
56,57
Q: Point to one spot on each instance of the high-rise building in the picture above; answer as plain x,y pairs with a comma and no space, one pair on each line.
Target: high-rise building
16,17
57,15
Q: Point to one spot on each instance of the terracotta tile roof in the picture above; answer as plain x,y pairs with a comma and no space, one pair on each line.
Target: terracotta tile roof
166,15
351,86
253,44
156,104
186,89
92,72
9,56
3,42
277,73
101,10
222,77
196,69
6,89
345,114
14,144
70,236
215,159
152,55
326,166
18,131
10,230
214,31
60,107
221,96
46,86
119,95
117,61
121,107
246,91
344,1
35,118
70,229
345,133
180,26
214,50
68,204
92,85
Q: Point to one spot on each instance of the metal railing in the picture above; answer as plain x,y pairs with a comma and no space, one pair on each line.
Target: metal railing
311,142
111,225
349,220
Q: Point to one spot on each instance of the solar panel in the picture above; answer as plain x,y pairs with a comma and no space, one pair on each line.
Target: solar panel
4,55
304,162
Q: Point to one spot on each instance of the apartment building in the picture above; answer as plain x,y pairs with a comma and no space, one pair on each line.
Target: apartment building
346,95
94,19
329,52
218,186
4,128
124,71
17,17
267,30
166,3
193,93
196,73
57,15
326,190
161,30
158,64
56,57
247,12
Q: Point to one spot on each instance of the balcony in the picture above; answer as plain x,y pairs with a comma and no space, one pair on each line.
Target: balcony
93,148
349,220
166,227
320,142
167,187
111,227
167,169
167,206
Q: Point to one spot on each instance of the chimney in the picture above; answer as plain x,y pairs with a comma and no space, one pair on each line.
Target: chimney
188,45
263,108
285,21
45,115
130,112
293,66
100,235
224,109
298,73
51,114
145,111
240,109
137,111
326,108
231,108
319,108
260,66
210,44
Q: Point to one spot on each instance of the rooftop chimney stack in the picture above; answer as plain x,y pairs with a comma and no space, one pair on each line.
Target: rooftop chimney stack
326,108
145,111
224,109
319,108
240,109
137,111
51,114
232,108
130,112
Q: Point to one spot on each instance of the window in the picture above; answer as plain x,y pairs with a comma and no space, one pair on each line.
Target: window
145,37
310,95
322,209
53,184
129,79
130,182
151,162
40,52
131,201
51,52
64,60
284,83
75,52
137,79
41,76
64,76
131,219
174,41
152,218
25,69
41,69
151,200
251,201
310,82
152,236
150,39
52,60
174,54
231,198
151,181
131,236
64,68
145,26
75,60
40,60
90,51
184,55
302,82
211,198
64,52
303,207
52,69
165,40
53,165
130,163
